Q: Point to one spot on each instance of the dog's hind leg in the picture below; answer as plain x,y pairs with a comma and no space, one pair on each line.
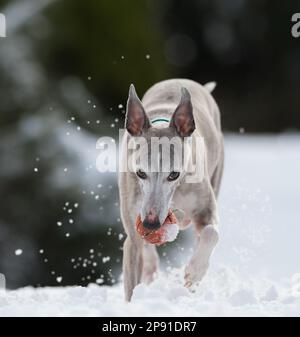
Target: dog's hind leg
150,263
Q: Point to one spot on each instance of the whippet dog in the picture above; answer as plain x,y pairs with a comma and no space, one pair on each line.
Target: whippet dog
173,108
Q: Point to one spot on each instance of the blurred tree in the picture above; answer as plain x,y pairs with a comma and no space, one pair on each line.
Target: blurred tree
115,43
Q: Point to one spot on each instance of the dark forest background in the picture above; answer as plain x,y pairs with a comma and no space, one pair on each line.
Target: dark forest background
65,71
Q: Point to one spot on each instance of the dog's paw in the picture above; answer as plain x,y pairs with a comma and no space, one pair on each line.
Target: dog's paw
198,265
194,273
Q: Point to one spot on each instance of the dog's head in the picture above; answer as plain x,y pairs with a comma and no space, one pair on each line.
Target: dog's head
161,155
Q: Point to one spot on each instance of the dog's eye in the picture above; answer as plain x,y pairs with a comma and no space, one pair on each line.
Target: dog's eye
173,176
141,174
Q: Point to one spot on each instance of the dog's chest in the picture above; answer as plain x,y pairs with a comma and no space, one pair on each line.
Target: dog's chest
189,198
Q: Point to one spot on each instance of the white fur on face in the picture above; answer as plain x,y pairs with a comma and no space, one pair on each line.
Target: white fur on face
157,190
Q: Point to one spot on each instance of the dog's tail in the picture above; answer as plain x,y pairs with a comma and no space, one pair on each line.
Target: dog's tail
210,86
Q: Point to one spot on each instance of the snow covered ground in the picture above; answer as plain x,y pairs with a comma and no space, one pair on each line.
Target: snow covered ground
255,270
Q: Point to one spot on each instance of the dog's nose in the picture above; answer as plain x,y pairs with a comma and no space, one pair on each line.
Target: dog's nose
151,222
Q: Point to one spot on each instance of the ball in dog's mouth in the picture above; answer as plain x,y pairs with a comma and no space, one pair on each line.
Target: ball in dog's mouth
166,233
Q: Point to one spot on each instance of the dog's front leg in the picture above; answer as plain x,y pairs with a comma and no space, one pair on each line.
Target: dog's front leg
132,264
207,239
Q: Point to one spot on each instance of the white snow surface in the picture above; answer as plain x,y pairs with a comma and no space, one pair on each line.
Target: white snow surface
255,268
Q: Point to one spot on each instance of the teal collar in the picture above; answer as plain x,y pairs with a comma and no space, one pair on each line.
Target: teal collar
157,120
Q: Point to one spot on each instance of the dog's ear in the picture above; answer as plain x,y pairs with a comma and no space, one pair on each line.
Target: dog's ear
136,119
183,119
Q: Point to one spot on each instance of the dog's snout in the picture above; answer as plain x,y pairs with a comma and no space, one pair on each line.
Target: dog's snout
151,222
